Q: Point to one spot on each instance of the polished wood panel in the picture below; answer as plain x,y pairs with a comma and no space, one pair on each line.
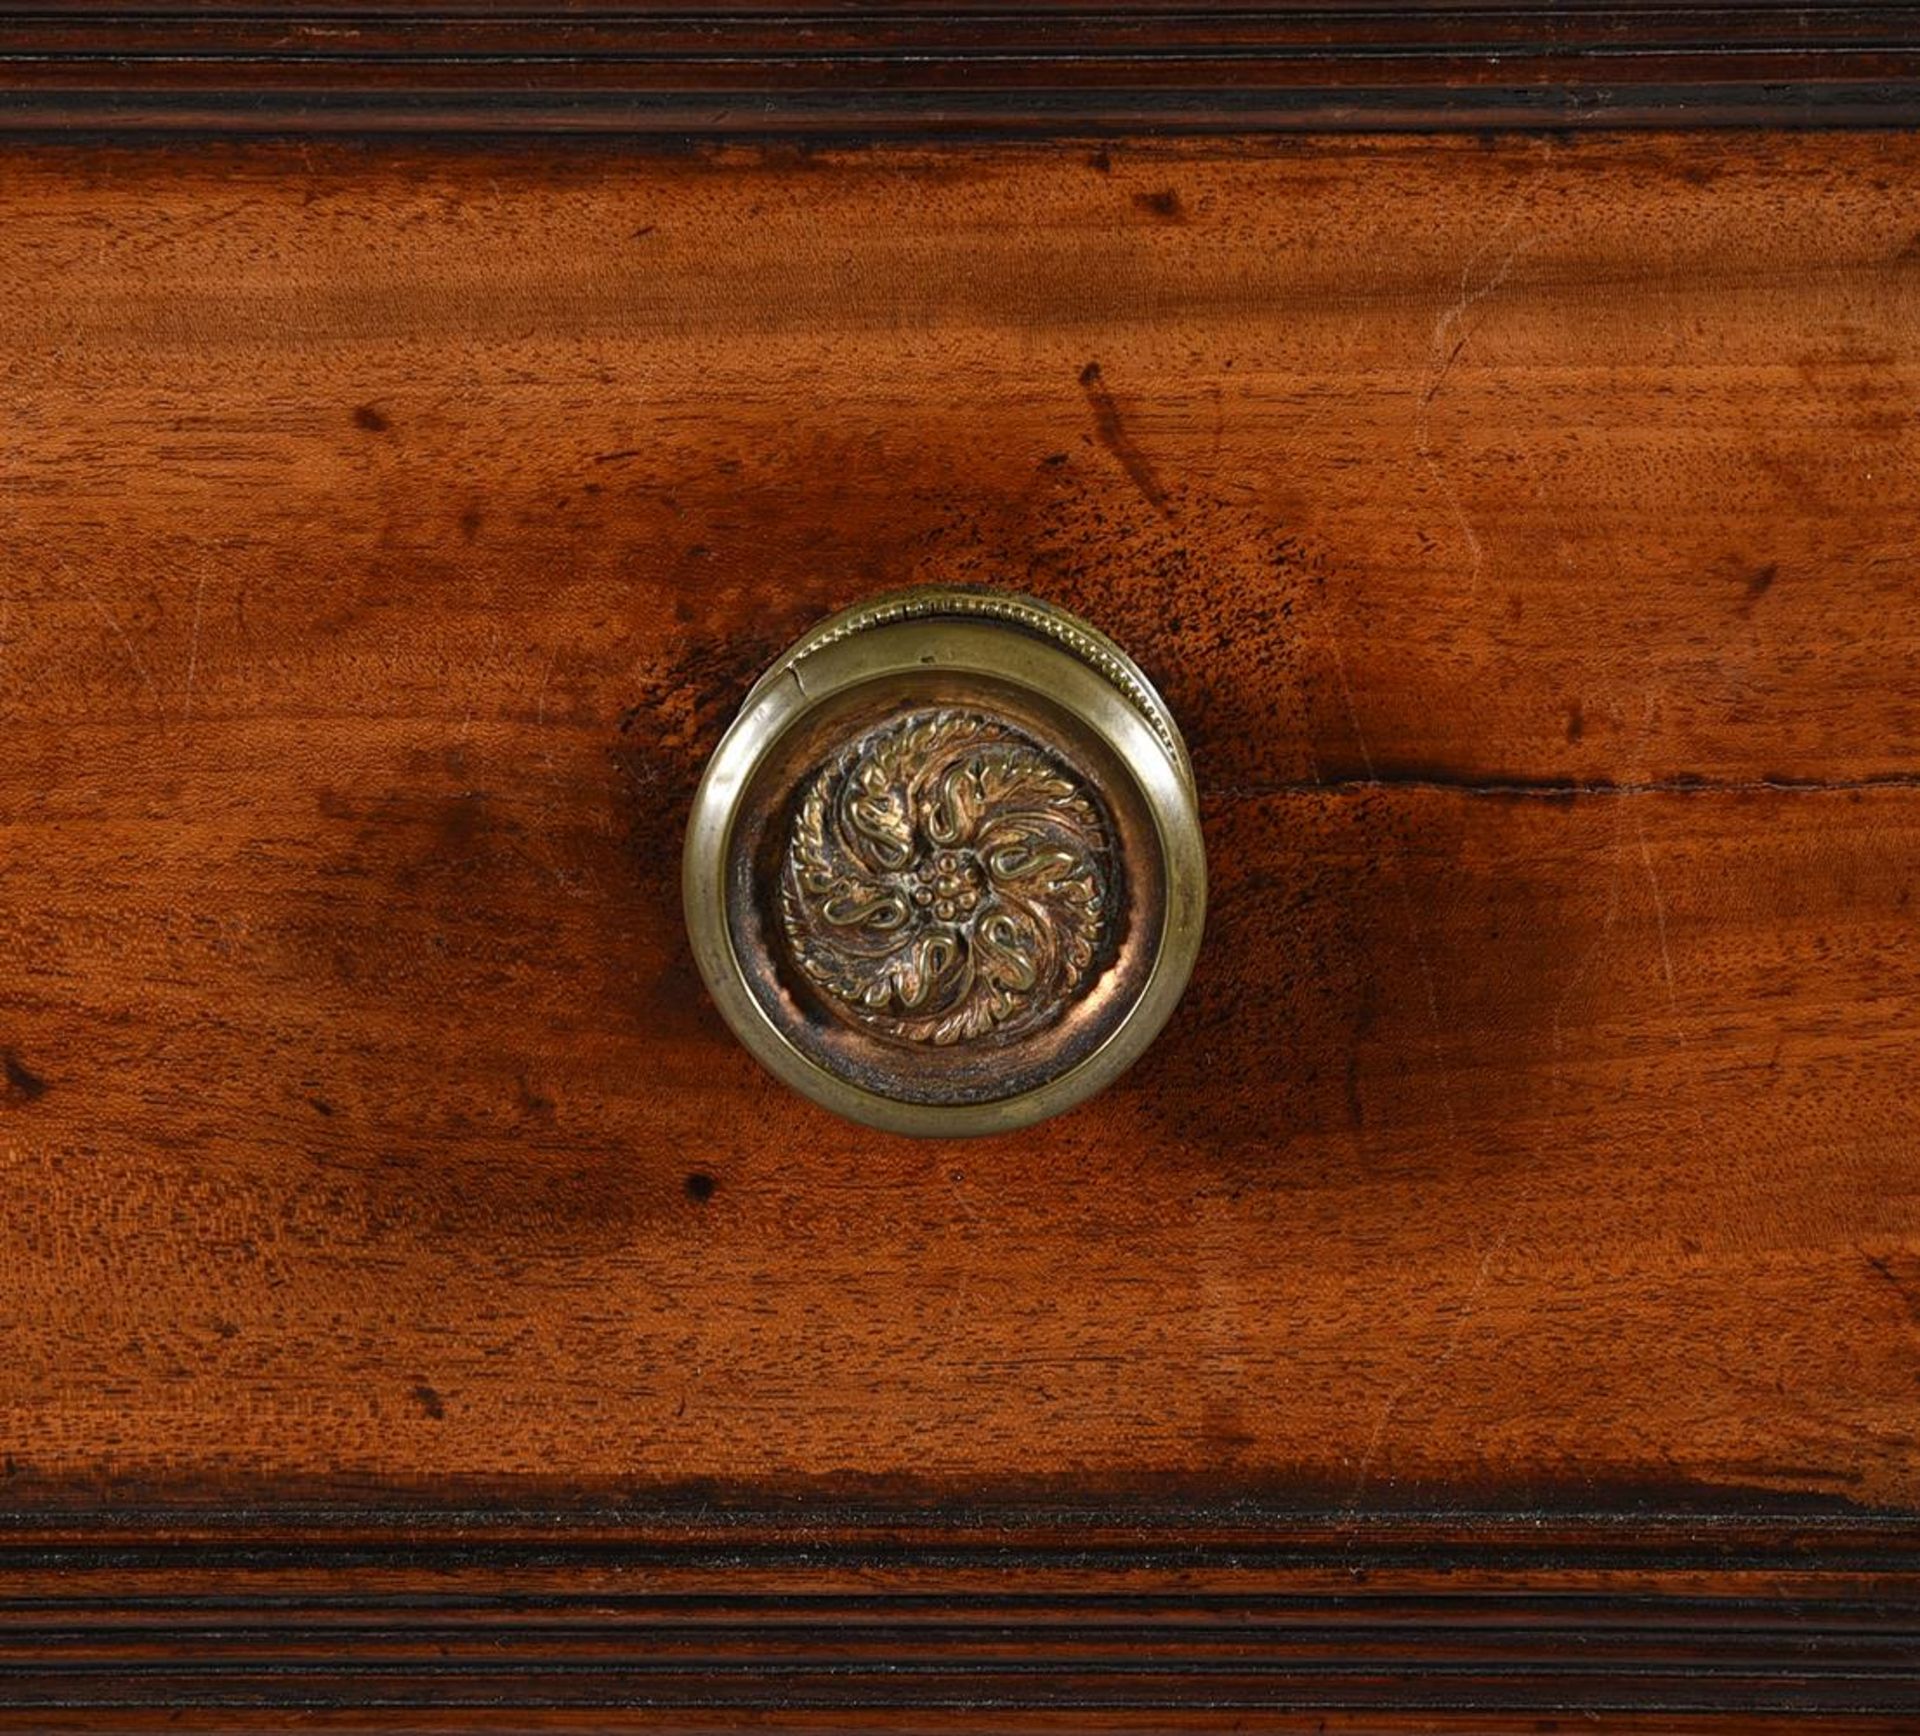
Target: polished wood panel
1522,528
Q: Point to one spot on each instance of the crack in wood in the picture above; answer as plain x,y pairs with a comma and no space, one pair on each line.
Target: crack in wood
1556,789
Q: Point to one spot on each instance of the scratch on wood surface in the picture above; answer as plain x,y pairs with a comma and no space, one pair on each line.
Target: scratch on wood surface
1414,931
954,1321
193,648
1425,1372
1558,789
1659,917
579,877
1587,959
1443,350
540,697
112,623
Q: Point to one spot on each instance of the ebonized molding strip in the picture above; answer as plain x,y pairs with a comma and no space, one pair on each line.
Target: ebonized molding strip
1194,1623
840,72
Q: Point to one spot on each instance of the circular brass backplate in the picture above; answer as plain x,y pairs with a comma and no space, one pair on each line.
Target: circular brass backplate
944,872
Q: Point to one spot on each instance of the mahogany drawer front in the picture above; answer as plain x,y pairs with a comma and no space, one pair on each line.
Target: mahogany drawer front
1517,1222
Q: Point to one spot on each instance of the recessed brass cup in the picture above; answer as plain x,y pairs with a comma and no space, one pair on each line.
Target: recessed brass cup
944,873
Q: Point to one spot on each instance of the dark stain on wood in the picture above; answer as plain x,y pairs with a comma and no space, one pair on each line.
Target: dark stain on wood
1758,582
1907,1291
23,1084
1113,435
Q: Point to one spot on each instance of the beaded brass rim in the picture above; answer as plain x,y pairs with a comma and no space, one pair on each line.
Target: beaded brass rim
944,873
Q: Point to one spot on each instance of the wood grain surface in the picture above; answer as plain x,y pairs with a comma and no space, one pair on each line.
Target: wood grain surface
1524,531
1525,534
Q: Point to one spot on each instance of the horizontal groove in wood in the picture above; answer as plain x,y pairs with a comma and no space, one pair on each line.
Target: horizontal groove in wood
981,1619
928,70
847,115
987,1616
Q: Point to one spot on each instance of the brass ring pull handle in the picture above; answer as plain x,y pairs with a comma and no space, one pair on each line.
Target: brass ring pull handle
944,872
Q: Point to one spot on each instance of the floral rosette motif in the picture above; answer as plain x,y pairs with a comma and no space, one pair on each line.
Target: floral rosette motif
946,879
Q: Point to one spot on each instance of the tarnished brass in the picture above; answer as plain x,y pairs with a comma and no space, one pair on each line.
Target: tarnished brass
944,872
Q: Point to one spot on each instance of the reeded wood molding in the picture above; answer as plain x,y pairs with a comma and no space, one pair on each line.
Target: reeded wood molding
1010,1621
840,70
